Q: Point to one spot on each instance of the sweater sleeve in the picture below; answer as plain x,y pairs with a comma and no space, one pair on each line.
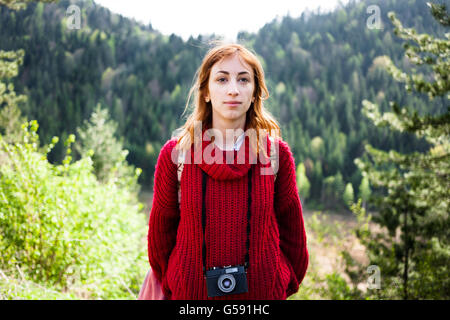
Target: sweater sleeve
164,215
288,209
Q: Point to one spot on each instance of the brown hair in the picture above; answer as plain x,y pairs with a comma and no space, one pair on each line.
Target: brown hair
257,118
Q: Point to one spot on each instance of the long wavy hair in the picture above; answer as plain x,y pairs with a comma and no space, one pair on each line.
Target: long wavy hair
257,117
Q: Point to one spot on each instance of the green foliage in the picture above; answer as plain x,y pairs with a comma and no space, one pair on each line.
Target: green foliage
97,140
427,50
332,191
22,289
10,114
354,269
318,67
322,229
349,195
364,190
412,248
19,4
63,227
337,288
303,184
9,66
317,148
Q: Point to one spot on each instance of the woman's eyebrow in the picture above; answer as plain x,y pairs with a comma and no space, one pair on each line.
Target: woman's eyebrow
226,72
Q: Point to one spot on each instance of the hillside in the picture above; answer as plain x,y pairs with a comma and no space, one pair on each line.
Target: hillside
319,68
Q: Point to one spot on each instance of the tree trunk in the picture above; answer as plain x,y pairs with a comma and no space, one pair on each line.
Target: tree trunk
405,269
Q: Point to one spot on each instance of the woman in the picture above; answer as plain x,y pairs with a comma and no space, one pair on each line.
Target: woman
236,232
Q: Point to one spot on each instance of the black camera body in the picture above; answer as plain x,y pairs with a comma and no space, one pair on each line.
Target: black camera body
226,280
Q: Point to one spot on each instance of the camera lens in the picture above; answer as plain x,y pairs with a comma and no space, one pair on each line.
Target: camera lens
226,283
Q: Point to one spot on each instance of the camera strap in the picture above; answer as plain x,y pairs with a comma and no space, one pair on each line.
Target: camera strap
247,257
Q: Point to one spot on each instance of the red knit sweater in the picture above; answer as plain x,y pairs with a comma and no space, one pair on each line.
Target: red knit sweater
278,253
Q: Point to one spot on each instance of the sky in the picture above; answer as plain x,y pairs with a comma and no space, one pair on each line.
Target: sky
226,18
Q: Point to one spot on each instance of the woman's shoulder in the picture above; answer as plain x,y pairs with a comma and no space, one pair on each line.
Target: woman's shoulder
284,156
282,147
169,145
168,150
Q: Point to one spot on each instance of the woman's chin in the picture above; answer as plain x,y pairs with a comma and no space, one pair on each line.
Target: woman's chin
233,115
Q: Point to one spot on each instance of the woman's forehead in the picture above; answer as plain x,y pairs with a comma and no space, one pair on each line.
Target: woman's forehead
232,64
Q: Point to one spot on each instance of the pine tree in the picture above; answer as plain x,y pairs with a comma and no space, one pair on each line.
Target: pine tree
364,191
20,4
413,253
11,119
97,139
349,195
10,114
304,186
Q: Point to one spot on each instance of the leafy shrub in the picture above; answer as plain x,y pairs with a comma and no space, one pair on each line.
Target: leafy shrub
63,227
337,288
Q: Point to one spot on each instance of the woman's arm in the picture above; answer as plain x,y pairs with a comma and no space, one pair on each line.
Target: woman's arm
290,217
164,215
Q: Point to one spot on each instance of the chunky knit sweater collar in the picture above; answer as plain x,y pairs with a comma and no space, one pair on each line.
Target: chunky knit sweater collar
224,164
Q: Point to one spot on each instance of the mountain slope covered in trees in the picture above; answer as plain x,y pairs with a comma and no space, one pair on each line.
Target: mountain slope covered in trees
319,67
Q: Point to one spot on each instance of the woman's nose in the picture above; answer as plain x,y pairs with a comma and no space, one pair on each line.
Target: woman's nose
233,89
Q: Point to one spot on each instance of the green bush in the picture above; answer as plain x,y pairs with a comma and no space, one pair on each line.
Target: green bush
63,227
337,288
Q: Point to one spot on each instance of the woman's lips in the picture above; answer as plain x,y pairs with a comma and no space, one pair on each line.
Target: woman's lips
232,103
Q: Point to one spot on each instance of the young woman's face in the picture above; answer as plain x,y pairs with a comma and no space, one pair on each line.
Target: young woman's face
231,86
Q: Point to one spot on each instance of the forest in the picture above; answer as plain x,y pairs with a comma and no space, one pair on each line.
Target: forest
319,69
99,102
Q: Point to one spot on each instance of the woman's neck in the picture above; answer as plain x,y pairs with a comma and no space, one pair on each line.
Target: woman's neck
230,131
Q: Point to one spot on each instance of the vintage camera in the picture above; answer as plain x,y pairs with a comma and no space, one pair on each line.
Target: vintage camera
226,280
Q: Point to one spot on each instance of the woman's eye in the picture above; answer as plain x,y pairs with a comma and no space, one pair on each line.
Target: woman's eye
223,80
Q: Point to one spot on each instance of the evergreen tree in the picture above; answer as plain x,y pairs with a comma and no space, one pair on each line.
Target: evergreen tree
11,119
332,191
318,71
364,191
413,249
349,195
97,139
302,181
19,4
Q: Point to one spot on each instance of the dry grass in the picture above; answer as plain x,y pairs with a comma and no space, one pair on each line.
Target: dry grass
328,234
